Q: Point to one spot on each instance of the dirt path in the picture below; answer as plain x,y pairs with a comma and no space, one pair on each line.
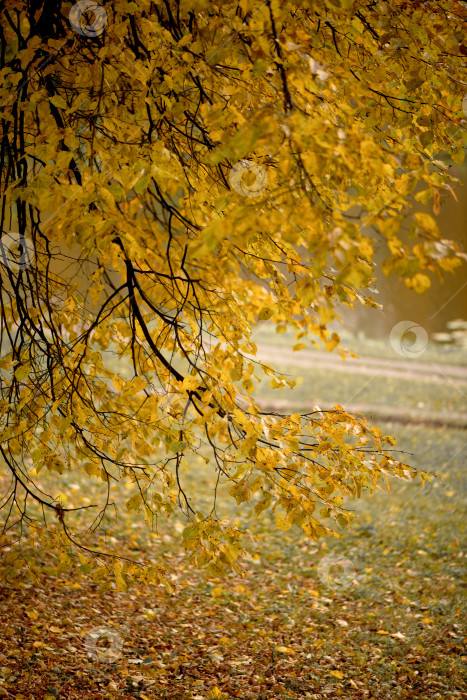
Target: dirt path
372,367
398,369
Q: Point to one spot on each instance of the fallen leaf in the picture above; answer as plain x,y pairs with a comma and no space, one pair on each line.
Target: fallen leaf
336,674
215,693
399,635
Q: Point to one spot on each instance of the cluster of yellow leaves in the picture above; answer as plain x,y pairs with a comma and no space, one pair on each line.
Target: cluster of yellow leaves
128,143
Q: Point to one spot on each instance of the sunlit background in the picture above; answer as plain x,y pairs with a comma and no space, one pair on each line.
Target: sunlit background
442,304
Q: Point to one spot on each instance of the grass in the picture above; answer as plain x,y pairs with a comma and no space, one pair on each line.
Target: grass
320,386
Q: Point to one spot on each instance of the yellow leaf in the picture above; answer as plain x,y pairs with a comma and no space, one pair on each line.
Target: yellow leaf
134,502
119,581
136,384
285,650
22,372
419,283
336,674
265,313
426,222
118,383
306,290
185,40
427,620
190,383
282,522
248,385
58,101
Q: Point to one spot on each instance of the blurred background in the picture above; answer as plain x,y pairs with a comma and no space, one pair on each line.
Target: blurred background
444,303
